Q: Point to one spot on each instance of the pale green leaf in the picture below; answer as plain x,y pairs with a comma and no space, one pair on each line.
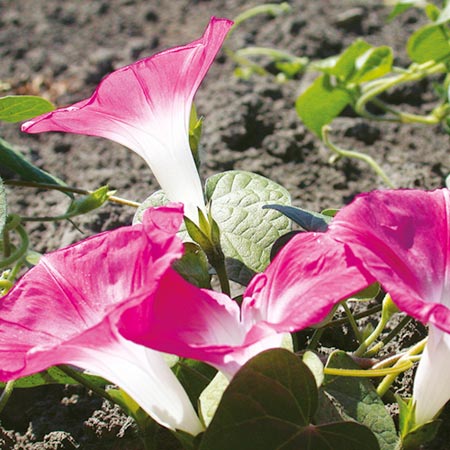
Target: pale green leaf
15,108
247,231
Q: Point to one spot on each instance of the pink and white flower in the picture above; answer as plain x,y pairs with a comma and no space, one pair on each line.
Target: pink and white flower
65,311
403,239
146,107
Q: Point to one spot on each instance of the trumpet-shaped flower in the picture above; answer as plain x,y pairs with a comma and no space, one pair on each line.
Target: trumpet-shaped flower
146,107
298,289
403,238
64,311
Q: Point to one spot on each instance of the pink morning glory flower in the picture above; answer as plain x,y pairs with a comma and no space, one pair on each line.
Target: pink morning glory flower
298,289
146,107
65,311
403,238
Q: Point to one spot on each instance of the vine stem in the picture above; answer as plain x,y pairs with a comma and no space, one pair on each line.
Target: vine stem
340,152
414,73
56,187
389,379
6,394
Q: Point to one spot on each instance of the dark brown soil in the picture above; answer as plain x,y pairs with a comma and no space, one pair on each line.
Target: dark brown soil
62,49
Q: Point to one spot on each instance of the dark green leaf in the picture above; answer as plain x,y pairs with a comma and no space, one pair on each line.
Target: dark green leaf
320,103
247,231
420,435
333,436
3,208
358,400
308,220
193,266
15,108
269,405
266,401
194,376
429,43
15,162
237,271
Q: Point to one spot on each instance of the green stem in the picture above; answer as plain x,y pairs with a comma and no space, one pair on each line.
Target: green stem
352,322
277,55
274,9
314,342
20,251
219,266
334,323
77,376
389,379
56,187
6,394
356,155
414,73
376,348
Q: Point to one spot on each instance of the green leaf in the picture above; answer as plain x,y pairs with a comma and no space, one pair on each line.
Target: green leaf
53,375
346,63
421,435
308,220
247,231
89,202
195,376
269,405
335,436
15,108
374,63
314,365
265,402
193,266
444,15
195,133
429,43
358,400
15,162
320,103
158,198
3,208
402,6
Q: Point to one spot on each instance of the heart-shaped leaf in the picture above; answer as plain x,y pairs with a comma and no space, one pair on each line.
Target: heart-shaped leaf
358,400
269,405
247,231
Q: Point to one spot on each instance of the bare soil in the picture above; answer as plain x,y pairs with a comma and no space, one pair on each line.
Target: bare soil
62,50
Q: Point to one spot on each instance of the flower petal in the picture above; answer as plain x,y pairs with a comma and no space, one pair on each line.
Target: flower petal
402,238
431,387
146,107
64,311
302,284
311,274
187,321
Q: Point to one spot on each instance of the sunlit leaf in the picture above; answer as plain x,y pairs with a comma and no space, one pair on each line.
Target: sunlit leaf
247,230
15,108
320,103
429,43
